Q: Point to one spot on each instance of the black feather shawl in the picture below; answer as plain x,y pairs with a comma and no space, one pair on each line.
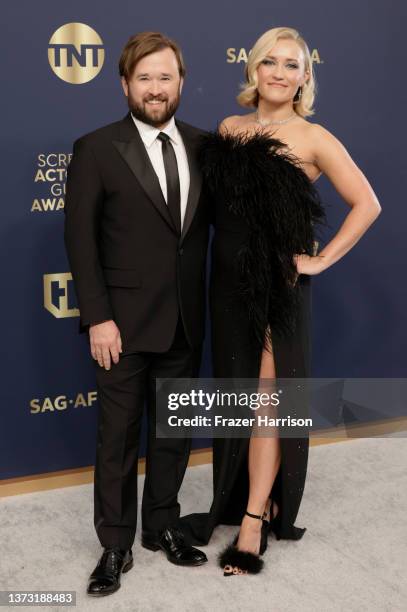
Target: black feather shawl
258,179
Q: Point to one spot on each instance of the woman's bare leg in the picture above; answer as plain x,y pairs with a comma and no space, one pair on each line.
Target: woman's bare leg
264,462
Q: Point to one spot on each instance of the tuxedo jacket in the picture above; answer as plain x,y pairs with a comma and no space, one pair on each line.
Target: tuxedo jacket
127,260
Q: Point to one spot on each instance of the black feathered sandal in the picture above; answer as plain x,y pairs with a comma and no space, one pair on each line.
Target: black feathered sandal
246,562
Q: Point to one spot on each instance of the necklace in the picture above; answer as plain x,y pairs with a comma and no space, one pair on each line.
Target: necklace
264,123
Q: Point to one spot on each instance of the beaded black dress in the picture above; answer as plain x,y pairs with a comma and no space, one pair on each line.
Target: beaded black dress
265,211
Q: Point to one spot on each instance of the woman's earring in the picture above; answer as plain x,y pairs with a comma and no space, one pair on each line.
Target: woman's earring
298,95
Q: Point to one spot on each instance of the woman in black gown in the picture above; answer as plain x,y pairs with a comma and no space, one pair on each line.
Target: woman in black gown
259,169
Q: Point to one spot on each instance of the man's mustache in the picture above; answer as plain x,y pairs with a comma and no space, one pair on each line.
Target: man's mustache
154,98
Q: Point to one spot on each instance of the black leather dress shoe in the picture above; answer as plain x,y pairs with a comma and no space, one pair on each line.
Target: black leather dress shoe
105,578
171,541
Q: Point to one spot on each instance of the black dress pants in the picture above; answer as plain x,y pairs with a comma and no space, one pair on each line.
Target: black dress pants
123,391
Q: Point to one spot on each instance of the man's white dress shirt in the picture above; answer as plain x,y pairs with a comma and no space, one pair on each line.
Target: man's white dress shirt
153,146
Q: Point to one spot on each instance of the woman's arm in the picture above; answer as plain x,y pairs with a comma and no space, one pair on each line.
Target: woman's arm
334,161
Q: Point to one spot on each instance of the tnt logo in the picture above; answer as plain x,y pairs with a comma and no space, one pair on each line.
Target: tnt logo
76,53
57,295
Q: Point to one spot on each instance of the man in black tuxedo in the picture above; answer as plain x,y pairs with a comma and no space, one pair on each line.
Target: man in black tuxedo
136,234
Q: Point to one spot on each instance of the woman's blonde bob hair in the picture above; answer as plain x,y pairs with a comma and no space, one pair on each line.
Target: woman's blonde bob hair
249,96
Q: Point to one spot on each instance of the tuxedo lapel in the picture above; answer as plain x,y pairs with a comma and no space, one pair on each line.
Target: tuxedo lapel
132,150
195,177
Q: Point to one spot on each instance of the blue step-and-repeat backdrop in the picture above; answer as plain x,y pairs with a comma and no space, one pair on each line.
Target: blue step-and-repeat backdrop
48,393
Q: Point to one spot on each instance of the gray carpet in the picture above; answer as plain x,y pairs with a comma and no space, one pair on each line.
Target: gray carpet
352,557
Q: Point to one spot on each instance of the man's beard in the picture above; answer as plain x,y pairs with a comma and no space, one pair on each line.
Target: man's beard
150,115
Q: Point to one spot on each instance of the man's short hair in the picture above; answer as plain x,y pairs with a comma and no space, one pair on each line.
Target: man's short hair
145,43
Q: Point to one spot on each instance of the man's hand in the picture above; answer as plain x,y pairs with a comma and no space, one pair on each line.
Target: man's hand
105,340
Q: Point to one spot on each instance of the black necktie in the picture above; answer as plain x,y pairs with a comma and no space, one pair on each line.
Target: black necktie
171,173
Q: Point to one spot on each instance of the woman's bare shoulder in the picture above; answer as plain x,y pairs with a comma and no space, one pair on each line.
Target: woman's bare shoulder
318,131
313,138
235,123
